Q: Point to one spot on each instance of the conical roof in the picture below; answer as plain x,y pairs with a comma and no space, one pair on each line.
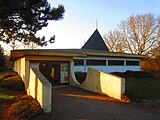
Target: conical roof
95,42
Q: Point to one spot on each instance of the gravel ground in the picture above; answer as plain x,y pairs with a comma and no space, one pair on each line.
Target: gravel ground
70,103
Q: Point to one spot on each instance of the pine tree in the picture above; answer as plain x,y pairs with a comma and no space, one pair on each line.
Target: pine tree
21,19
3,66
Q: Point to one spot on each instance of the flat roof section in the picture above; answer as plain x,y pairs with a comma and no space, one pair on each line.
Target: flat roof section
16,54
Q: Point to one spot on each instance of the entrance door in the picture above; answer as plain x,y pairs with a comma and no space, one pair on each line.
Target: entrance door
51,71
56,72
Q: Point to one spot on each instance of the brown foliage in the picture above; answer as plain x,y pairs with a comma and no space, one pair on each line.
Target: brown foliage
141,33
22,109
114,41
152,64
137,35
11,80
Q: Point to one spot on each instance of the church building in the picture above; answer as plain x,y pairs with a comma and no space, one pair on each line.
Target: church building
55,64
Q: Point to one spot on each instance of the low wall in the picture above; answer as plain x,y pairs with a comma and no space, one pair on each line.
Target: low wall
41,89
101,82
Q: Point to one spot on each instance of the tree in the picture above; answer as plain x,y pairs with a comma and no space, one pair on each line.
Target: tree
152,63
114,41
30,45
141,33
155,53
3,65
137,35
21,19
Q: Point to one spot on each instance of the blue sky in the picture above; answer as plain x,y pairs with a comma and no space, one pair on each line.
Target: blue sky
80,19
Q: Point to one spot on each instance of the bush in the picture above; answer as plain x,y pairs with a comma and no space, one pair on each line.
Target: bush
80,76
13,83
152,64
4,75
24,108
143,74
134,74
3,66
11,80
138,74
130,74
120,74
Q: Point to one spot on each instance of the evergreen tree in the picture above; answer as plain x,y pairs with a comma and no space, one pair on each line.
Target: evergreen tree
21,19
3,65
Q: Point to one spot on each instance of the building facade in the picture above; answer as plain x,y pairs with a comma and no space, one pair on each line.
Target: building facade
54,64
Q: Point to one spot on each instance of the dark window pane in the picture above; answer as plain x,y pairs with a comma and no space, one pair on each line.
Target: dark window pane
132,63
78,62
96,62
116,62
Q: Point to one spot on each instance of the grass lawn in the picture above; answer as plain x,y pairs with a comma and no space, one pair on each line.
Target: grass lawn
6,98
143,88
14,103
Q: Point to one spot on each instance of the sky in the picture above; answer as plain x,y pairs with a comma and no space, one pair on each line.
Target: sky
80,18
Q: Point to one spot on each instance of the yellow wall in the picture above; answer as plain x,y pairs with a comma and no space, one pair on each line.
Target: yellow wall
22,67
100,82
36,84
41,89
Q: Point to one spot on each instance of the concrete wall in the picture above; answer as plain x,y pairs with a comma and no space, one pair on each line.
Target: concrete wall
22,67
36,84
101,82
41,89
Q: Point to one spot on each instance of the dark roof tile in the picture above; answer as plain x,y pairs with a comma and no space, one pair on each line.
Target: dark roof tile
95,42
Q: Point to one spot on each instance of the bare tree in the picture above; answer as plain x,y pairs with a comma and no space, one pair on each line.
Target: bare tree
114,41
155,53
141,33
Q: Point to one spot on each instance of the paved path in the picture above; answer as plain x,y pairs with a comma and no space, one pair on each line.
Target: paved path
70,103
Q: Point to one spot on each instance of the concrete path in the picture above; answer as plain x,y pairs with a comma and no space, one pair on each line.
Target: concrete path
70,103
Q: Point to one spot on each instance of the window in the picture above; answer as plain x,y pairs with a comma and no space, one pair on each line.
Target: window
132,63
96,62
116,62
78,62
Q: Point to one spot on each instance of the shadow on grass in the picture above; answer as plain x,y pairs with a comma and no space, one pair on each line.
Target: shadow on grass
5,96
138,89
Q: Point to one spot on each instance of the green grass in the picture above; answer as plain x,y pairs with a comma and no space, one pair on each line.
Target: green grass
14,103
143,88
5,96
5,99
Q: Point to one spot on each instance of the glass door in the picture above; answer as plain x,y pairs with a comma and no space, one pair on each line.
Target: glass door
51,71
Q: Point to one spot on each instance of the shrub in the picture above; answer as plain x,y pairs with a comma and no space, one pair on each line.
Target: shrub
143,74
13,83
152,64
11,80
4,75
24,108
80,76
120,74
134,74
138,74
3,66
130,74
